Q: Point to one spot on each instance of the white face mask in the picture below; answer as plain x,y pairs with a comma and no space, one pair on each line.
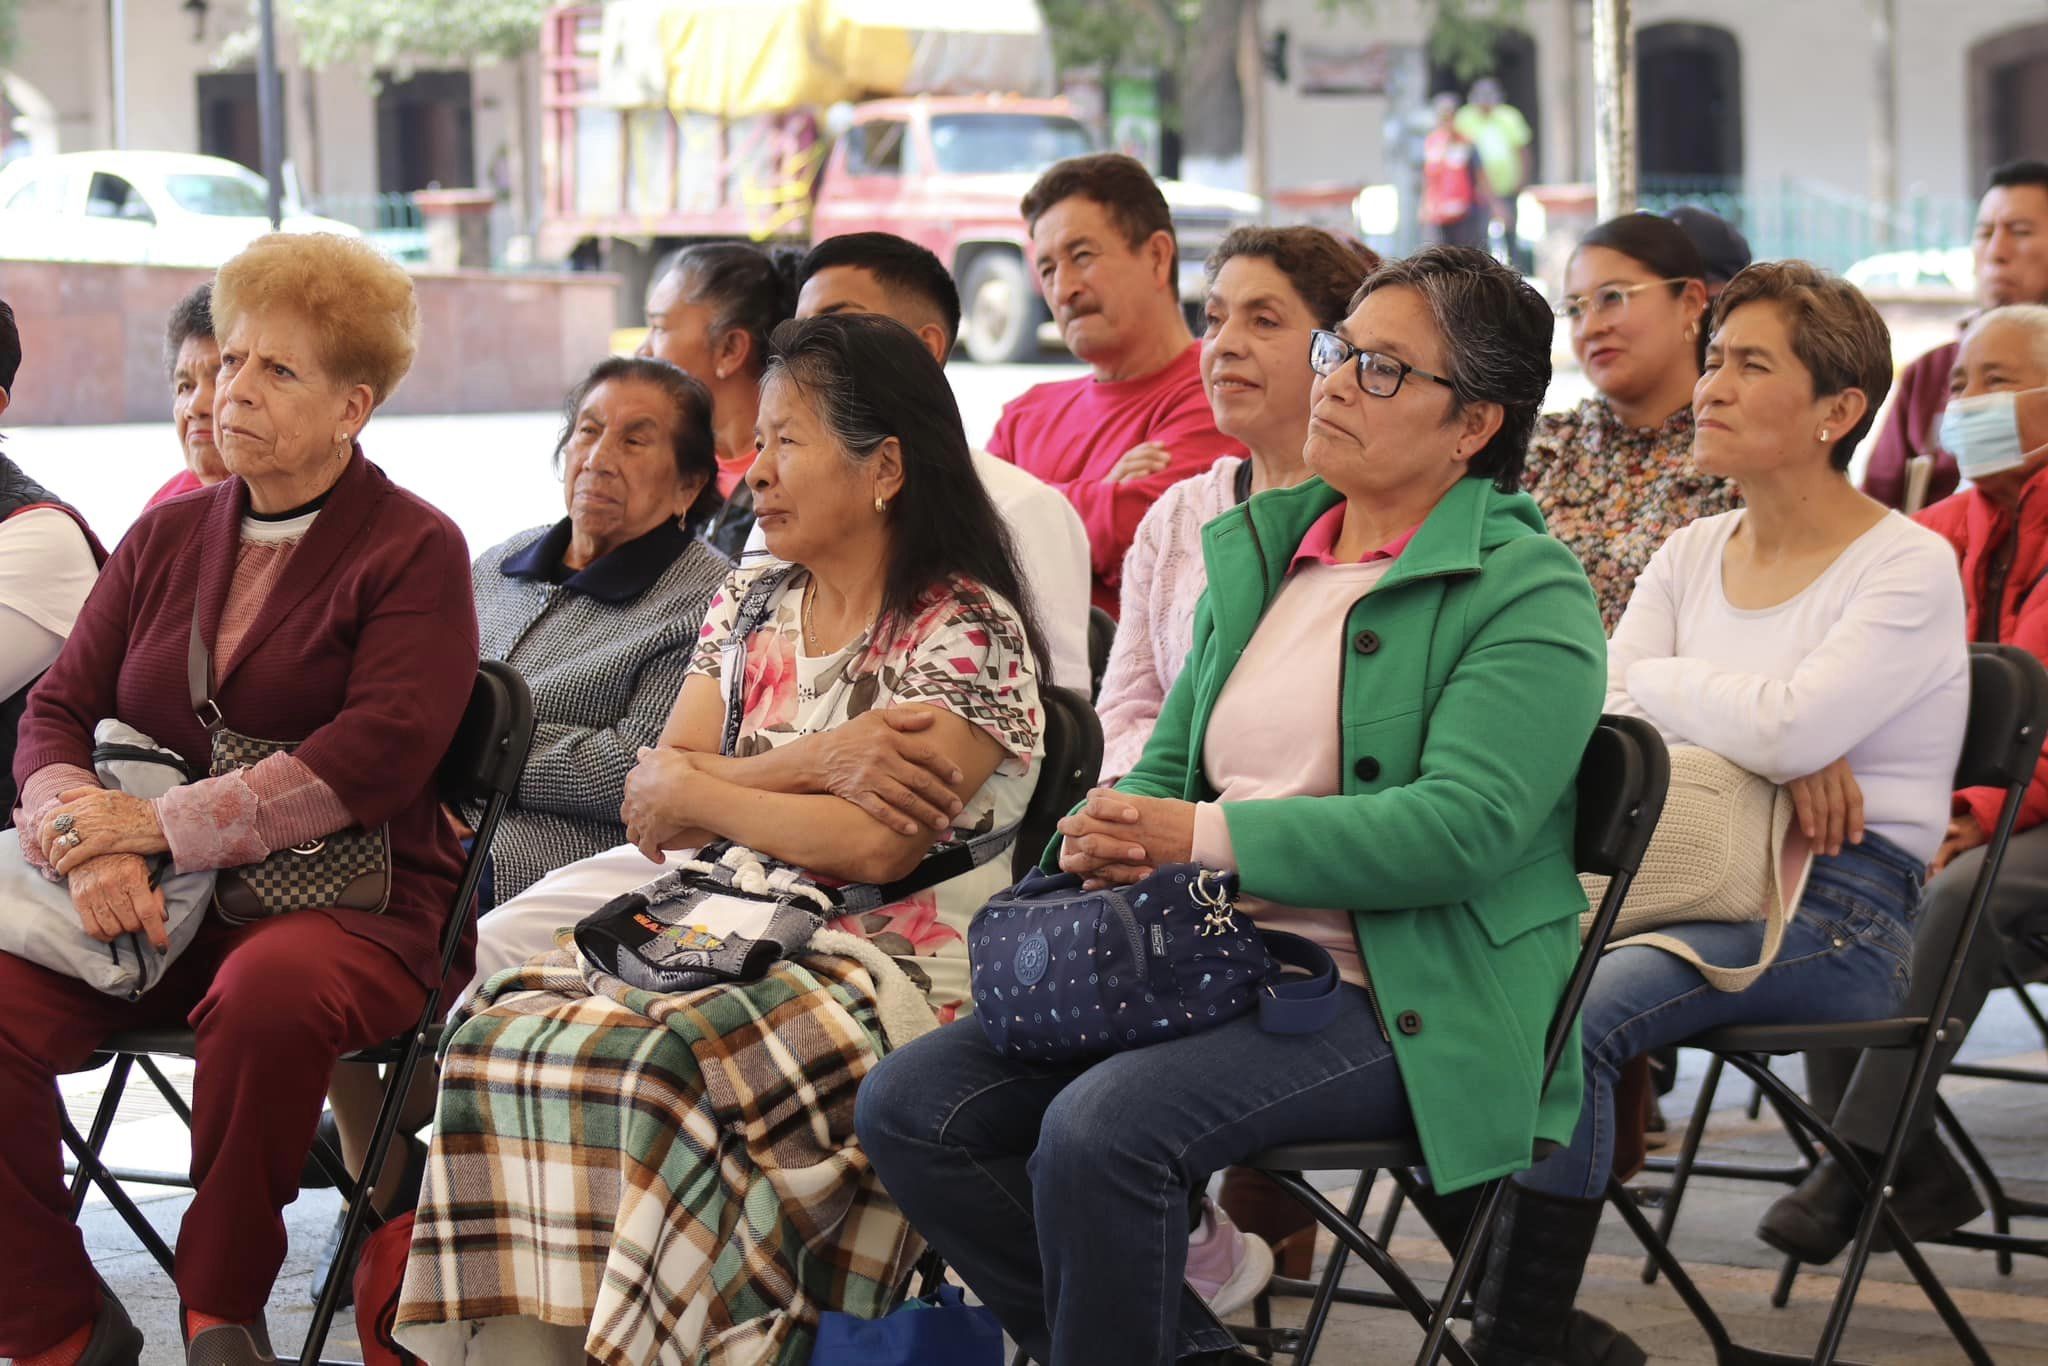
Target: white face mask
1983,434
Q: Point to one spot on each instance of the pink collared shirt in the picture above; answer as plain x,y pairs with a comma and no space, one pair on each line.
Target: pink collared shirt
1257,747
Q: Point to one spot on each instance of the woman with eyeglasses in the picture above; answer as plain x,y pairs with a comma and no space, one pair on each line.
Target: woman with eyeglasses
1614,475
1393,679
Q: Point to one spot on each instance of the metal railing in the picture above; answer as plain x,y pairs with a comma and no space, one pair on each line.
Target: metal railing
1820,223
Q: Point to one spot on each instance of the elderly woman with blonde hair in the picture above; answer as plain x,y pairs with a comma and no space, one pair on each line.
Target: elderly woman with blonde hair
335,609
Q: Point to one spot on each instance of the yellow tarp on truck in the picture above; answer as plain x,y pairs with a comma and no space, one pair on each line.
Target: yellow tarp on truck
735,58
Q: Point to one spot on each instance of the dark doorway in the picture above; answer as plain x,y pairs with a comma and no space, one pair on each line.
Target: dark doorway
424,134
229,125
1514,66
1688,106
2008,100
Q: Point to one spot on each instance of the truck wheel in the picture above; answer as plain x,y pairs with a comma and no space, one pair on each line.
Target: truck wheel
1002,310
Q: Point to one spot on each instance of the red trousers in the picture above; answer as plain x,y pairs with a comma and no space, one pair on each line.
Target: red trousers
273,1005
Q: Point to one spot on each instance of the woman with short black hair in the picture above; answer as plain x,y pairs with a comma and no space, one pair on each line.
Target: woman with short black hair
1393,679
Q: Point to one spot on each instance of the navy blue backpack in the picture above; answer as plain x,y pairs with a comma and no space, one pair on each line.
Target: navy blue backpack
1061,974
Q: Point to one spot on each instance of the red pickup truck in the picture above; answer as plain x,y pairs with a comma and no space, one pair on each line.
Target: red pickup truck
626,188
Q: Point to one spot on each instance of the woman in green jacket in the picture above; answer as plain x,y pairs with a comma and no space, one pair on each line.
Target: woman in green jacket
1394,675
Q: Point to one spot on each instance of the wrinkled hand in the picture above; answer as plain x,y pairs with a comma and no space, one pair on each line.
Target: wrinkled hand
1829,807
1964,834
657,801
1116,839
881,763
1144,459
113,897
105,821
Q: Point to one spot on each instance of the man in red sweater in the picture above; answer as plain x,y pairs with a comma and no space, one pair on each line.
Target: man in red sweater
1103,245
2012,268
1998,431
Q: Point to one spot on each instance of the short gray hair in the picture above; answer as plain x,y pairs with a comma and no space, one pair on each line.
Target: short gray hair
1497,332
2032,317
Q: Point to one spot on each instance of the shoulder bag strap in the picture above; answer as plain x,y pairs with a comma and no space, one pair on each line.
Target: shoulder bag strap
753,610
1297,1005
199,677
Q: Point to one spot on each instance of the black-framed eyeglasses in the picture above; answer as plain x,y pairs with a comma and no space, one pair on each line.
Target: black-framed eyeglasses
1378,374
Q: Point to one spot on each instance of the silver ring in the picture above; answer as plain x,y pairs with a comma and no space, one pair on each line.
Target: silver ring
62,825
71,839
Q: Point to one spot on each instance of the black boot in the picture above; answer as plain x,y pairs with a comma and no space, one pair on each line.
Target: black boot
1931,1195
1448,1216
1522,1314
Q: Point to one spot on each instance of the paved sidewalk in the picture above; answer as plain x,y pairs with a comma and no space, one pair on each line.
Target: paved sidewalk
1893,1324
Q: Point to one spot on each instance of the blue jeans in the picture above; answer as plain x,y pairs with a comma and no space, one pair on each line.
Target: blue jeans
1846,955
1060,1194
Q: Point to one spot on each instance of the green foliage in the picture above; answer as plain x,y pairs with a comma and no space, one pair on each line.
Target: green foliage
400,34
9,32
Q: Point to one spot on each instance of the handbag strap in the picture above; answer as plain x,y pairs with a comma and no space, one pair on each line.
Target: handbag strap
1298,1005
753,610
199,677
1780,904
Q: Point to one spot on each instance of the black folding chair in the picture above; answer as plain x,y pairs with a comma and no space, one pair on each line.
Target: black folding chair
484,765
1073,761
1101,635
2008,719
1621,784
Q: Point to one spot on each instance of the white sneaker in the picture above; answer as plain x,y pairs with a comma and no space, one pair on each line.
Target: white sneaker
1227,1267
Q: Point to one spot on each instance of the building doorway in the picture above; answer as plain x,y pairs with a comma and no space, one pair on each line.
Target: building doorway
1689,107
424,133
230,124
2008,100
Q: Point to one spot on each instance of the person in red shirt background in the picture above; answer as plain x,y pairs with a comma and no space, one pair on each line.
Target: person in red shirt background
192,357
2012,268
1452,206
1996,428
1103,245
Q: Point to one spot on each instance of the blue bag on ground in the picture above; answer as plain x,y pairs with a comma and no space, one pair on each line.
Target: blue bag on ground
940,1331
1060,973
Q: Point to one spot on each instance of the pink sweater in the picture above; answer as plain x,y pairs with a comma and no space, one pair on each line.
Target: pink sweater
237,818
1163,580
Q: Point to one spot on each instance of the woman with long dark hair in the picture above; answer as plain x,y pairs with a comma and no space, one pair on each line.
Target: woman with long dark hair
895,604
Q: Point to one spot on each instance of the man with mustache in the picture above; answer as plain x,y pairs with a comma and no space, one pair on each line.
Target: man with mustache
2012,268
1103,246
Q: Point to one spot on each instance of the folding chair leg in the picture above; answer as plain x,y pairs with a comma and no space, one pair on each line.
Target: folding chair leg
1392,1216
1350,1236
1463,1266
90,1166
1333,1272
1974,1159
1876,1206
1688,1151
102,1125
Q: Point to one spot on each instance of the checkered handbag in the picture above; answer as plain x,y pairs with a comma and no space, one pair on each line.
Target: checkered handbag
347,870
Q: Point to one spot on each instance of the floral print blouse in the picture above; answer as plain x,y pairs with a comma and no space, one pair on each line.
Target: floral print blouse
964,651
1614,493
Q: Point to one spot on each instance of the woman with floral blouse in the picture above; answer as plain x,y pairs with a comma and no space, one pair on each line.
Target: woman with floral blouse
1614,475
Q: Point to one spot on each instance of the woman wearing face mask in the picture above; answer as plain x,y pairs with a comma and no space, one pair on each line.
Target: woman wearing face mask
1996,425
1614,476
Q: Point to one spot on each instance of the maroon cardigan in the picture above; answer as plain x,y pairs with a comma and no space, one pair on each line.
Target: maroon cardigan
366,650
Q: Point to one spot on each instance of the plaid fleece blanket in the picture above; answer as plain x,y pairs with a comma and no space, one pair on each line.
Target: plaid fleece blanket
678,1173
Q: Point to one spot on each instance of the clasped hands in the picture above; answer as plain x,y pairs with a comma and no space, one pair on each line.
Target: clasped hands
1116,838
100,850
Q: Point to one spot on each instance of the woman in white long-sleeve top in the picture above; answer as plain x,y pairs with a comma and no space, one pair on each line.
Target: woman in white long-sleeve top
1812,637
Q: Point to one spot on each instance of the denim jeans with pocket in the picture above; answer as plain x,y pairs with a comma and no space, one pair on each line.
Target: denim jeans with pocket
1060,1193
1846,956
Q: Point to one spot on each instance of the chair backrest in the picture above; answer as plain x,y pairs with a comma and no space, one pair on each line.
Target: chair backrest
488,753
1622,782
1101,635
1073,762
2008,717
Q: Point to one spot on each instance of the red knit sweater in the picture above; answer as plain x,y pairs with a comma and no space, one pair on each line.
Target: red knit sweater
366,651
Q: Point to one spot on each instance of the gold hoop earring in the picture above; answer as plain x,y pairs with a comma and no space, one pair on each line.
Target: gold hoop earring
1692,331
1823,436
881,506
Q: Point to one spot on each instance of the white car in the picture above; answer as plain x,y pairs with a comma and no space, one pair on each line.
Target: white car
140,208
1952,268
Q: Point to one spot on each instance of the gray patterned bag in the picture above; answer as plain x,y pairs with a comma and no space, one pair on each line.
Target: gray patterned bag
349,869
